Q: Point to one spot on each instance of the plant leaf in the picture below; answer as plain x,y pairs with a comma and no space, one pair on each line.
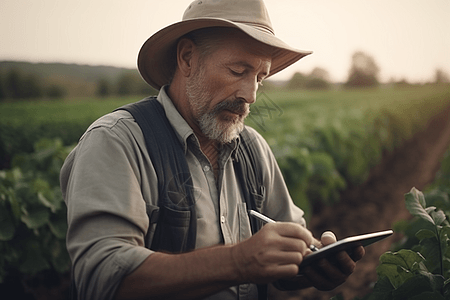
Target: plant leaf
438,217
425,234
36,217
397,266
415,203
58,228
383,289
432,253
7,228
420,283
446,289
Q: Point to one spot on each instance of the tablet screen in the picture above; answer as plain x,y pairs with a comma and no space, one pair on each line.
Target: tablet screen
346,244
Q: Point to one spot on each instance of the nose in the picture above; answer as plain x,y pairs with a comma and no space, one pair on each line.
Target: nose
247,91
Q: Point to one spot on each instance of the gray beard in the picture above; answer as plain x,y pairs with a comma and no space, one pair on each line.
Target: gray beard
209,122
222,132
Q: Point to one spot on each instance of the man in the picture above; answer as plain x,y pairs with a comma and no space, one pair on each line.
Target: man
207,68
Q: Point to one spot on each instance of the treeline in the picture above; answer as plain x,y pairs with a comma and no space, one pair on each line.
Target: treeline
363,73
26,83
20,80
128,83
16,85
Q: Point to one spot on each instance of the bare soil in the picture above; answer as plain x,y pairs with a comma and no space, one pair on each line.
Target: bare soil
379,203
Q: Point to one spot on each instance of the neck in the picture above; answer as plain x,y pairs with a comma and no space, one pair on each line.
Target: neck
211,150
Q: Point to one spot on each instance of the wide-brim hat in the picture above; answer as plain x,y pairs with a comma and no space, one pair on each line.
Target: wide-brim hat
250,16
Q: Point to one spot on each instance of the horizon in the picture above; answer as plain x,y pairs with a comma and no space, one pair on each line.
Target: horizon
407,39
273,80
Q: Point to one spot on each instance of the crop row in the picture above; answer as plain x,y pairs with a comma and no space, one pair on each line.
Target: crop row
323,141
327,142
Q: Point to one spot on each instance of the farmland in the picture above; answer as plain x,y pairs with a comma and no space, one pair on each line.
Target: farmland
325,141
329,145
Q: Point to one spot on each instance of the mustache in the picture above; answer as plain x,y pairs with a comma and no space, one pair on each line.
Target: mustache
237,106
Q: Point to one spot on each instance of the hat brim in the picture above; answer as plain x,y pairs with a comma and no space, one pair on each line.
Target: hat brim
155,54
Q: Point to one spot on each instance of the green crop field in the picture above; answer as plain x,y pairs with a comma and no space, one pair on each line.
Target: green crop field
324,141
312,105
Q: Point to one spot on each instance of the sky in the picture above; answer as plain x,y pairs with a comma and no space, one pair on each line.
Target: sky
408,39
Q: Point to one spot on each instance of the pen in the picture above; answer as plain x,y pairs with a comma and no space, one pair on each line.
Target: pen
266,219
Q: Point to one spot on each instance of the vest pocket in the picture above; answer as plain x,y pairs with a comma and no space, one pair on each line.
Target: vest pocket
171,233
259,197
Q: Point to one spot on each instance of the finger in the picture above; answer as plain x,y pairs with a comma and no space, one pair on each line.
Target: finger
279,237
294,244
320,277
327,238
285,271
345,263
294,230
358,253
333,271
281,258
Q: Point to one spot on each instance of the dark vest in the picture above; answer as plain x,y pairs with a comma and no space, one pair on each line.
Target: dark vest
176,218
176,222
176,226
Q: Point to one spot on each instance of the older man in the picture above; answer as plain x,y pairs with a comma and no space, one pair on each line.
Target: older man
207,68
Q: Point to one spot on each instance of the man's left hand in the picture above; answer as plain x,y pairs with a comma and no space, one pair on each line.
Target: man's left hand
329,273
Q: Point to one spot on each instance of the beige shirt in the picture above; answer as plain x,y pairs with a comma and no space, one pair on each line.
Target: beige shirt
108,183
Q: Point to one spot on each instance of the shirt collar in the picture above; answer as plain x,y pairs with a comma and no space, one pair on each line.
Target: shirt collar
182,128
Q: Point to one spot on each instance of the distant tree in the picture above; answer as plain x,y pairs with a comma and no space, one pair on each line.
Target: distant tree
318,79
56,91
441,77
103,88
402,82
131,83
126,84
31,87
14,84
363,71
297,81
2,88
320,73
143,88
20,86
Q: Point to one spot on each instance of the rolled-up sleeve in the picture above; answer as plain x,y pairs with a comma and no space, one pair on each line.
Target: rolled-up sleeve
101,183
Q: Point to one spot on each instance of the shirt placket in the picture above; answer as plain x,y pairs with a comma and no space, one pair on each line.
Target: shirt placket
214,190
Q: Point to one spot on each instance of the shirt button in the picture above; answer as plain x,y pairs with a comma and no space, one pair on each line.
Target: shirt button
222,219
206,168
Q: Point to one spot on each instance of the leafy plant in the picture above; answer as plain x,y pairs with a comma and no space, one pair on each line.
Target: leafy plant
32,212
423,271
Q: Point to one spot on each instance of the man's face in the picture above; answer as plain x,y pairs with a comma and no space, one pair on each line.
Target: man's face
224,84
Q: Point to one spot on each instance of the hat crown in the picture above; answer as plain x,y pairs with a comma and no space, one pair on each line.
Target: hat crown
251,12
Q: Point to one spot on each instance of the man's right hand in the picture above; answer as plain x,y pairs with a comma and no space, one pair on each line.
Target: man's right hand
273,253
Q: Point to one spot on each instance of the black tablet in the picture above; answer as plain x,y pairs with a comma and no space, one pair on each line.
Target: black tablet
346,244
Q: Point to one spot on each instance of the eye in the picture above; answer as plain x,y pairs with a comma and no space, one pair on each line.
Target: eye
237,72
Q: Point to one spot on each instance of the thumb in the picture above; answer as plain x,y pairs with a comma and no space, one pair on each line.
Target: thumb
327,238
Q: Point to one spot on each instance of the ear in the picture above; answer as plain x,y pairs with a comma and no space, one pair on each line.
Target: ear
185,56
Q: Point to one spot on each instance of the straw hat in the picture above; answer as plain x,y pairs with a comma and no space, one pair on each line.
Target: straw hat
250,16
